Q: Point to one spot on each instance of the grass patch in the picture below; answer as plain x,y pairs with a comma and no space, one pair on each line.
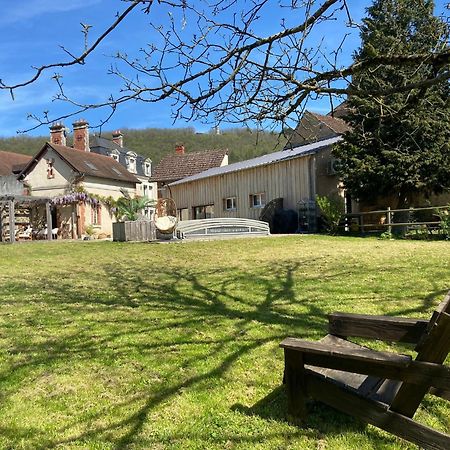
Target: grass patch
107,345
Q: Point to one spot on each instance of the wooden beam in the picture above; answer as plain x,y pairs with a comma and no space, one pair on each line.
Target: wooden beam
397,329
445,394
12,222
74,222
49,221
1,221
354,353
418,374
295,384
370,362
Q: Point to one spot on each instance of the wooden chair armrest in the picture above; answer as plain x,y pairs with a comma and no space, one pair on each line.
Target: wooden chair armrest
385,328
362,360
359,354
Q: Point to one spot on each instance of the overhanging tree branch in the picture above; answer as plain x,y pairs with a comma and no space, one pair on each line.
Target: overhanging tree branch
212,67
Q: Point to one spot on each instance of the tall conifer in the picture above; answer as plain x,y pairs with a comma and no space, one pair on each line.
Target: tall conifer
399,144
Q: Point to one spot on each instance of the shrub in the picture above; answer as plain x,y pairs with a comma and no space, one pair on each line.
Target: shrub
332,209
444,217
129,208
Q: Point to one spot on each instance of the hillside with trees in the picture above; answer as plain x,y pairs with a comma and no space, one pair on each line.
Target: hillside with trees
155,143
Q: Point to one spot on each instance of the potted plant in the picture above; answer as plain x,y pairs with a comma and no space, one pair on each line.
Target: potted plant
132,225
90,232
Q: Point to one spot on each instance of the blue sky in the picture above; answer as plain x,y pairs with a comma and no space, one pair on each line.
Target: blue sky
31,32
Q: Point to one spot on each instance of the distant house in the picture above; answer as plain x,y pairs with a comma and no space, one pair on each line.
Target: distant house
12,163
314,127
180,164
242,189
136,164
83,180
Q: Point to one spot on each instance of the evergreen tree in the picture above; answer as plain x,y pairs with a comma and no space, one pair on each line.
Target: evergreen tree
399,144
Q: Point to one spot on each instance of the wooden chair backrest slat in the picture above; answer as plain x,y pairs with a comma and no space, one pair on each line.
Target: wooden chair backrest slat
434,348
443,307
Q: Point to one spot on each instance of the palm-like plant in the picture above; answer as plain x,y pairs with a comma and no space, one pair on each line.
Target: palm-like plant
129,208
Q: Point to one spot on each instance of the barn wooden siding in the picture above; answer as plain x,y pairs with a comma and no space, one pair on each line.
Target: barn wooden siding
289,179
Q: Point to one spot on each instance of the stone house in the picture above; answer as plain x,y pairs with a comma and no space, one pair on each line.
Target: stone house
84,179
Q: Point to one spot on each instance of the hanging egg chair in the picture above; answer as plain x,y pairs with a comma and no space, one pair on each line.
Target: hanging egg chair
166,216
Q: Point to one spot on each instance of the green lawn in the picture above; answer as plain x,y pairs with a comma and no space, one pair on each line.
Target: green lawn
106,345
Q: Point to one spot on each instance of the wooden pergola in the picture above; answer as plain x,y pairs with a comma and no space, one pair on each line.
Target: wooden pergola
10,201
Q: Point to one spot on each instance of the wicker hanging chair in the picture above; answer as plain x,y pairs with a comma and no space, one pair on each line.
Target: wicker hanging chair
166,216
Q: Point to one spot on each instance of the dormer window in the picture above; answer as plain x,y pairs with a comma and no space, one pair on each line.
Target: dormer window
131,162
114,155
148,167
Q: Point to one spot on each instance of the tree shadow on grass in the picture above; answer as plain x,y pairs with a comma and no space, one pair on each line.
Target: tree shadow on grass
182,297
112,324
322,421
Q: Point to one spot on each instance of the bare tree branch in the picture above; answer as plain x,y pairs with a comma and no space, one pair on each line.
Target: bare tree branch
215,66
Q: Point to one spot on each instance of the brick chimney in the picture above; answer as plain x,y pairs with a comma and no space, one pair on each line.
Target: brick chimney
58,133
117,138
179,149
81,135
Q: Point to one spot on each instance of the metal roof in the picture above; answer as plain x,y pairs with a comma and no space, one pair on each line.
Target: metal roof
264,160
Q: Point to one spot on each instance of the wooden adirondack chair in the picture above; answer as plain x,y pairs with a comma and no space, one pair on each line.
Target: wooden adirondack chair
383,389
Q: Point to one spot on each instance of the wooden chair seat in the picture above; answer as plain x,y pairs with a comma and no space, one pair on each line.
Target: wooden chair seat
363,384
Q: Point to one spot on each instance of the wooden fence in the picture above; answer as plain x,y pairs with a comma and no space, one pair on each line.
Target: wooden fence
388,219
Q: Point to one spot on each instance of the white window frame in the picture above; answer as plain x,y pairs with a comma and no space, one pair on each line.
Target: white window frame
131,162
148,167
258,200
233,201
115,155
96,212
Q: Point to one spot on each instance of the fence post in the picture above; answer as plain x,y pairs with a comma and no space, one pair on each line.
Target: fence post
389,220
48,213
12,222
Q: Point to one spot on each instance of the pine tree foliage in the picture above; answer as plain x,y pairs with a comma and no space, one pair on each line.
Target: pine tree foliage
399,143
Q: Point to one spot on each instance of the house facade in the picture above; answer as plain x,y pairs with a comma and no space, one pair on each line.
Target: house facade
136,164
314,127
11,164
83,182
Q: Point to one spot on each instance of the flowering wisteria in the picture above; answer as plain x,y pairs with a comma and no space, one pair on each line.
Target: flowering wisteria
84,197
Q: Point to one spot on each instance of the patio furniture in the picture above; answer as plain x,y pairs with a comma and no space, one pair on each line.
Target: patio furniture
25,234
383,389
165,216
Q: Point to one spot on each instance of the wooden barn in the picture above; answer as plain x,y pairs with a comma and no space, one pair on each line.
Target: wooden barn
242,189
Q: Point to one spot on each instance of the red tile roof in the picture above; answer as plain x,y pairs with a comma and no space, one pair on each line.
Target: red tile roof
174,167
12,162
340,111
87,163
335,124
